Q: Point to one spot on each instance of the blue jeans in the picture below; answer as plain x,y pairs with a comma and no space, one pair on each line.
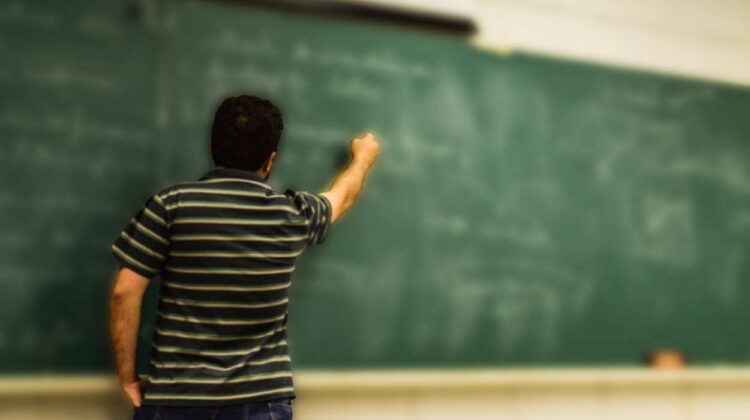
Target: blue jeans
278,409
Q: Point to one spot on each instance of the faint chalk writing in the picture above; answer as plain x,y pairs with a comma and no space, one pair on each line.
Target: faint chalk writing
98,26
382,61
353,87
16,12
76,125
318,133
261,45
60,76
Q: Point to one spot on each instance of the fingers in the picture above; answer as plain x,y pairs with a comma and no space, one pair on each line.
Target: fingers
135,398
364,136
134,392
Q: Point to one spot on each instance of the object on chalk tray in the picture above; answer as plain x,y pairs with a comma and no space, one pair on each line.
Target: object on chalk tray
666,359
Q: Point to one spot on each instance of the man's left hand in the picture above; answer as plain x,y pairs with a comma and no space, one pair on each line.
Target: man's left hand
134,391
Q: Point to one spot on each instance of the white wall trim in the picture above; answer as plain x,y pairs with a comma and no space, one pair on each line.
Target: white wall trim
416,380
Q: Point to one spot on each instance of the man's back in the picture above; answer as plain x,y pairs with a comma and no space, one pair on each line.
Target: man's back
225,247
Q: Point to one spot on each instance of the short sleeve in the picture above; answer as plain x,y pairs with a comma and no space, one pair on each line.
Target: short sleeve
316,209
144,243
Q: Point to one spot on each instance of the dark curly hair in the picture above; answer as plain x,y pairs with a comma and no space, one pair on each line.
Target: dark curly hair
246,130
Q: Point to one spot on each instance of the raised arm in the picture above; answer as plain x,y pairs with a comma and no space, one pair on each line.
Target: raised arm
346,187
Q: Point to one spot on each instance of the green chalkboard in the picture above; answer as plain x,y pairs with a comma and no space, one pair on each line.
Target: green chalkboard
525,211
76,122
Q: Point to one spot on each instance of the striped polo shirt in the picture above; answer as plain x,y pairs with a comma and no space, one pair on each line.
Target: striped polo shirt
225,247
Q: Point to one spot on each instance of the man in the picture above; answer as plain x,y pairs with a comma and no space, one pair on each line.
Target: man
225,247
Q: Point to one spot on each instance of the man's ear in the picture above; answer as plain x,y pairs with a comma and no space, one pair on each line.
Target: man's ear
268,164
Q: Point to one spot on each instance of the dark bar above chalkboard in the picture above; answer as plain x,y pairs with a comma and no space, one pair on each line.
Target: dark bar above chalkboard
445,24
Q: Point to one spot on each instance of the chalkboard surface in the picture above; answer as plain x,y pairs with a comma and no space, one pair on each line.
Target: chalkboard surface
76,122
525,211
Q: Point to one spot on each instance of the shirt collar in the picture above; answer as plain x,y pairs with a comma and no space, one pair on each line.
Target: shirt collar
221,172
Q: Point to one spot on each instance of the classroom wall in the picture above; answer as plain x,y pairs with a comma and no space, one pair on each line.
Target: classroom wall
698,38
707,39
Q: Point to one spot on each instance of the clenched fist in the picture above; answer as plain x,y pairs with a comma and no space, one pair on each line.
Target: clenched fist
365,149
